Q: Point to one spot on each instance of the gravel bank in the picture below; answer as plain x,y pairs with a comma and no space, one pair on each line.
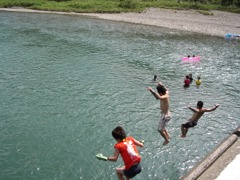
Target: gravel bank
217,24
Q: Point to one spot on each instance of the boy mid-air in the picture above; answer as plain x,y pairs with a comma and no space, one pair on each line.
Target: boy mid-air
162,94
197,114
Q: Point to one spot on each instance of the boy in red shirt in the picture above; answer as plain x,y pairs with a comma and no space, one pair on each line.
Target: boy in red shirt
126,147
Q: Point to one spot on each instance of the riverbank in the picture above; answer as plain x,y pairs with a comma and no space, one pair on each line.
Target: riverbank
217,24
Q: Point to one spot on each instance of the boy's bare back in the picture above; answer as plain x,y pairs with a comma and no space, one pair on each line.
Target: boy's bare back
198,112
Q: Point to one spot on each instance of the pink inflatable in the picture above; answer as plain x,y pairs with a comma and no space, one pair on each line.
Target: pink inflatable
191,59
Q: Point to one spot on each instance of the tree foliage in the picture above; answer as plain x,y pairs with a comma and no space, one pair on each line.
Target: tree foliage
230,3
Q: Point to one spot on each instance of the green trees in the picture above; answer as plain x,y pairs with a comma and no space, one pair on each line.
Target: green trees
230,3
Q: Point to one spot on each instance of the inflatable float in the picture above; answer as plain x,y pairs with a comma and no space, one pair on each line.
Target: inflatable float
191,59
232,36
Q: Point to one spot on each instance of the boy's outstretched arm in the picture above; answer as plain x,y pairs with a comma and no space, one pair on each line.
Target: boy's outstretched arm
139,143
115,156
212,109
194,110
156,95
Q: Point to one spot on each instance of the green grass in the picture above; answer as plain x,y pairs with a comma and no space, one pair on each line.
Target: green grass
116,6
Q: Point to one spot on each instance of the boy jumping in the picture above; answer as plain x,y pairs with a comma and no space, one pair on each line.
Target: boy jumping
126,147
162,94
197,114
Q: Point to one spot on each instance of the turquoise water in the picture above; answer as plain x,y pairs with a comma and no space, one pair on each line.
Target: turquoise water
67,81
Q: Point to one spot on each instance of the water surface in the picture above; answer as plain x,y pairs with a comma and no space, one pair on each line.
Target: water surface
67,81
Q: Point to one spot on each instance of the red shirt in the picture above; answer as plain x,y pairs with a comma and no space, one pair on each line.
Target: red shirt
129,152
187,82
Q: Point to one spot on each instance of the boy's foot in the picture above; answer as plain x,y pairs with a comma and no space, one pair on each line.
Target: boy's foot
182,136
168,137
166,142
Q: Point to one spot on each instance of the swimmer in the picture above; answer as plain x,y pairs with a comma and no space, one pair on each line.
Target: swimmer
190,77
197,114
186,81
198,81
154,78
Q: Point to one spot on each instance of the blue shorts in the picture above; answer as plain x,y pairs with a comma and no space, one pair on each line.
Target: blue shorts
133,171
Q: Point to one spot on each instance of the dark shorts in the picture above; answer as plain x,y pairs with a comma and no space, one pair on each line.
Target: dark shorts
189,124
133,171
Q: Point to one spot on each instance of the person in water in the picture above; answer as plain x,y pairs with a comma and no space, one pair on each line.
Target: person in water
198,81
126,147
186,81
197,114
190,78
162,94
190,56
155,78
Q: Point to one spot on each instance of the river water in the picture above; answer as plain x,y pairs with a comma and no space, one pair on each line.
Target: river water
66,81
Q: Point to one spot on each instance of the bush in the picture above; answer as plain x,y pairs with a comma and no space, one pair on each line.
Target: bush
129,4
60,0
20,4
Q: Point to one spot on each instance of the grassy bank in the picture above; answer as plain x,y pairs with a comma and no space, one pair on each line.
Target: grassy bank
116,6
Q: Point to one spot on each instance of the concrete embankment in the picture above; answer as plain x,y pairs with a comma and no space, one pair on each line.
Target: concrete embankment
215,162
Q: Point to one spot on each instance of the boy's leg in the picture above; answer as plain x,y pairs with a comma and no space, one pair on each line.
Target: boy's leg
120,173
162,130
163,134
167,135
184,131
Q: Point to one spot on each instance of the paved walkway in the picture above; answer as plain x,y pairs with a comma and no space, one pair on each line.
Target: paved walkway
215,162
232,171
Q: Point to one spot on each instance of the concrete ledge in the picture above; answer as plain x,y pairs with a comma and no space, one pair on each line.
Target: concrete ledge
237,132
198,170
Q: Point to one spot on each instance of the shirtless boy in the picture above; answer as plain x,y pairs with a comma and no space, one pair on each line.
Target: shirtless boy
162,94
197,114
